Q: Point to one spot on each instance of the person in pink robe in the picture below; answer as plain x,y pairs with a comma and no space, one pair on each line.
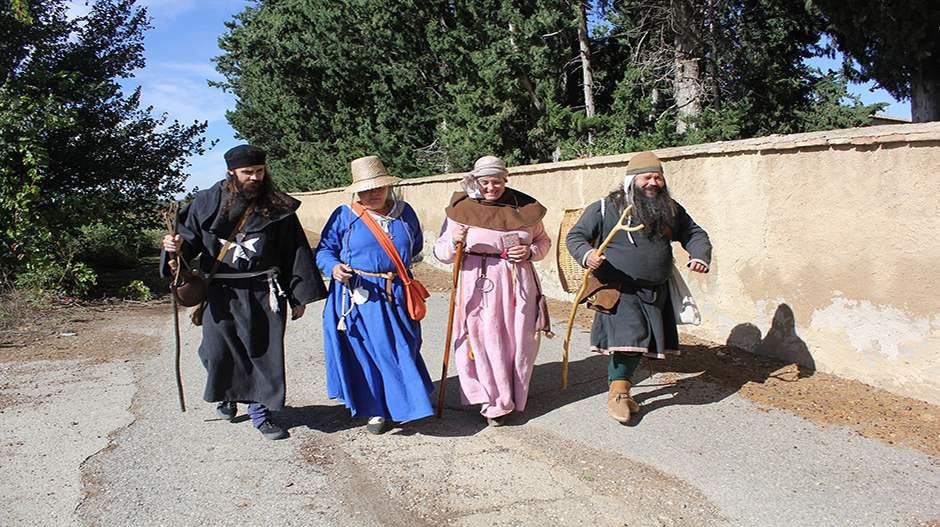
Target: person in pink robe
495,335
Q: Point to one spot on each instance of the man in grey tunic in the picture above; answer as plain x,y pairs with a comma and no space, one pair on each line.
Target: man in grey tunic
265,269
642,322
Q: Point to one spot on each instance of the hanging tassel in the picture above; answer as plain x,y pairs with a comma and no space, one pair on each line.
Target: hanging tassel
341,326
274,291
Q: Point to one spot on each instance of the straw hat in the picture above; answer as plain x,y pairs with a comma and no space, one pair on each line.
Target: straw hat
369,173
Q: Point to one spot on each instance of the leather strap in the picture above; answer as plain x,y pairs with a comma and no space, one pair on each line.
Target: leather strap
384,241
228,242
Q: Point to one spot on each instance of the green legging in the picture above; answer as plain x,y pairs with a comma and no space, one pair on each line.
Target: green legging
622,366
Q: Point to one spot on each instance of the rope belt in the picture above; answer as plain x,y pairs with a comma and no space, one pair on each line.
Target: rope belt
341,325
389,276
274,287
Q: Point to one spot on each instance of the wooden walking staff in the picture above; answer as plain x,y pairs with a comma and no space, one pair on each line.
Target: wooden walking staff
450,326
175,267
574,308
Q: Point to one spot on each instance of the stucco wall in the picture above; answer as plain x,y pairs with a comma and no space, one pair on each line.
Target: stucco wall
824,243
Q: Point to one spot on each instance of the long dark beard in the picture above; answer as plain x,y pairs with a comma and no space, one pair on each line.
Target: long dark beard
247,194
239,196
655,213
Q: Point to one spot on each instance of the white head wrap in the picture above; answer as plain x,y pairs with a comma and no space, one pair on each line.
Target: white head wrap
486,166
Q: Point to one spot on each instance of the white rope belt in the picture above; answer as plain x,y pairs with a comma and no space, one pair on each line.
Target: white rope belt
274,288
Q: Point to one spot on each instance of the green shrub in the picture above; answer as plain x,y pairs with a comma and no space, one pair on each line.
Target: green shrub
104,247
137,290
150,242
48,275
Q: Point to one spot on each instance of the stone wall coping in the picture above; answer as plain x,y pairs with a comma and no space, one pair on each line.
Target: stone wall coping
850,137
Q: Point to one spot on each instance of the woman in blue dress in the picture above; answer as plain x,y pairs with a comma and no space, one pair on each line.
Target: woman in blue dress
373,363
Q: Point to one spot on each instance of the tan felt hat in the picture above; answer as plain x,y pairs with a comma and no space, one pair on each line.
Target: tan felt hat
369,173
644,162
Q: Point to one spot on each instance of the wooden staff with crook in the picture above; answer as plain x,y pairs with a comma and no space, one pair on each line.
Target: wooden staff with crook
587,272
450,326
175,267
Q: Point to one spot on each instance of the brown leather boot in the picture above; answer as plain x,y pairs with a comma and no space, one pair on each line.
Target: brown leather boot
619,403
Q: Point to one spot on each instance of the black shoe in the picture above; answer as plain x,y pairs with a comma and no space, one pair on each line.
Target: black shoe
227,410
271,430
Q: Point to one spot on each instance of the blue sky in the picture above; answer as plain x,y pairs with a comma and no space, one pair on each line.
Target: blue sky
179,49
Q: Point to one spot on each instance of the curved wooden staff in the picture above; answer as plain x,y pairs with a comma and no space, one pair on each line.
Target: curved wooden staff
450,326
175,267
574,308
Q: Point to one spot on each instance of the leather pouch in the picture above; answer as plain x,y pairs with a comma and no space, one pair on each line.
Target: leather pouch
600,296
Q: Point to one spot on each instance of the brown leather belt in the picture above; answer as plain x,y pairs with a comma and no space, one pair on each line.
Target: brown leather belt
487,255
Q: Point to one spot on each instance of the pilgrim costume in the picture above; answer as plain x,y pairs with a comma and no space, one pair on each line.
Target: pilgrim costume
496,338
373,362
643,322
265,270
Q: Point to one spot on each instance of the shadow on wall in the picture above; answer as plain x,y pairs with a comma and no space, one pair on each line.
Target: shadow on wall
781,341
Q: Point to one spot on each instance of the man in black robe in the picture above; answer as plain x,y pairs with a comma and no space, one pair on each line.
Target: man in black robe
642,322
265,266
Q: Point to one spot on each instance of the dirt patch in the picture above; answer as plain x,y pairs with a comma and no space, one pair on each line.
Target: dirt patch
64,328
442,473
771,383
75,330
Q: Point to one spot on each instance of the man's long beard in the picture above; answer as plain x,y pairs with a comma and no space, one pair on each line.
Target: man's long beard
655,213
245,192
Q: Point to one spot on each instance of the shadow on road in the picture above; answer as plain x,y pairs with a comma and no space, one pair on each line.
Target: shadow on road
703,374
326,419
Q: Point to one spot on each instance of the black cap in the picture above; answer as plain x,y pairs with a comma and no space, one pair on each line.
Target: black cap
244,156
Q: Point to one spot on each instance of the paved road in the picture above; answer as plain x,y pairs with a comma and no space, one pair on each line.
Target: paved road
104,443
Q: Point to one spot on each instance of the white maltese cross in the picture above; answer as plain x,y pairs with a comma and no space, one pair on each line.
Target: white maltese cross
241,247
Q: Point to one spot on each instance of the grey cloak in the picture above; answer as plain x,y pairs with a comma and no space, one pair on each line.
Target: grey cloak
643,321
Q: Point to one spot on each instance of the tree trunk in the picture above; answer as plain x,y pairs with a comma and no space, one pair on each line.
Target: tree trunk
586,62
925,93
585,45
653,117
713,35
688,82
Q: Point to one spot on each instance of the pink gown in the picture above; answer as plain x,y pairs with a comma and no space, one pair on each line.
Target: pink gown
495,340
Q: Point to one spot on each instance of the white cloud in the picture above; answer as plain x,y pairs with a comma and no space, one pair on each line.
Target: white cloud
181,91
